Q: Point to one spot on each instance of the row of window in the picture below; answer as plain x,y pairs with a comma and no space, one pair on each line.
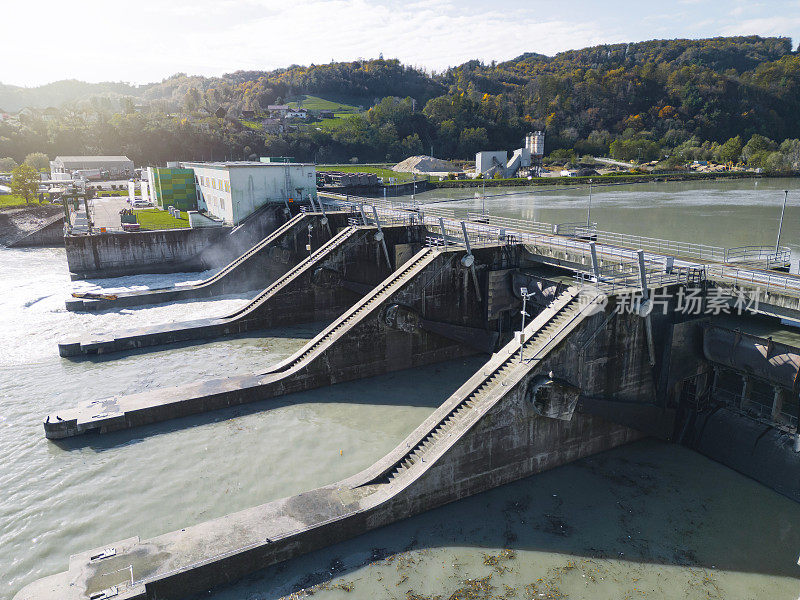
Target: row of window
217,184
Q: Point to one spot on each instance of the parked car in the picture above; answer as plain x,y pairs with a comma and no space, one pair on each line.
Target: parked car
140,204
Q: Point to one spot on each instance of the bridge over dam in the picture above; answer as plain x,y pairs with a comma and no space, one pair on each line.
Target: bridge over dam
605,354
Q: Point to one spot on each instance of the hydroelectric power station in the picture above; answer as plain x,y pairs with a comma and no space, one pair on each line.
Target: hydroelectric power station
592,340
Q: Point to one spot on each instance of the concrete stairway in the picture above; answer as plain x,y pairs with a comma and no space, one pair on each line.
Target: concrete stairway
313,259
361,309
491,380
214,285
240,321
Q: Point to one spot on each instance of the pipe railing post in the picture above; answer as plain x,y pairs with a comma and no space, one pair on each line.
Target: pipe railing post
382,237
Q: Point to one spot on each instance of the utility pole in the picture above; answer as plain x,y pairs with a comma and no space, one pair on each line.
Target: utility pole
483,198
589,211
780,224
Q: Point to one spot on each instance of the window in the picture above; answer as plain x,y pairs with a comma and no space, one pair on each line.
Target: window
227,187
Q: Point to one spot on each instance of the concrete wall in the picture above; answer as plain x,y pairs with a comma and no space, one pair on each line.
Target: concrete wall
51,235
118,254
168,250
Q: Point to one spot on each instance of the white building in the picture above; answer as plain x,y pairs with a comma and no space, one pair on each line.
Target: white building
115,166
534,142
297,113
486,161
233,190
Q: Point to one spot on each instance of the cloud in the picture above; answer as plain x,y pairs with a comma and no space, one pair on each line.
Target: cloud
152,39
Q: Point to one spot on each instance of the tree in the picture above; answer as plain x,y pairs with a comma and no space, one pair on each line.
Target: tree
753,151
730,151
7,164
411,145
473,140
25,181
38,160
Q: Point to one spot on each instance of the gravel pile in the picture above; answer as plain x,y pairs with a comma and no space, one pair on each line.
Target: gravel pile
424,164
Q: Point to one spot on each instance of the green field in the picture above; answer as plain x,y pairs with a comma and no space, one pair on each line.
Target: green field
10,200
256,125
153,218
346,106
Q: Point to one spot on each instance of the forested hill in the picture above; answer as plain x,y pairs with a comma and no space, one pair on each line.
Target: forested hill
648,98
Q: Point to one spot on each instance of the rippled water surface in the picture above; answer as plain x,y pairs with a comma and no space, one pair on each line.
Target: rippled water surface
649,520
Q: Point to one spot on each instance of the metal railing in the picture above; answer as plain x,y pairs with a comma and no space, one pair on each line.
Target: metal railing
576,229
622,247
754,409
765,256
659,246
753,278
625,277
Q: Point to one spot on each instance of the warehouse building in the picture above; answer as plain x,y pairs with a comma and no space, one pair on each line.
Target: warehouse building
114,166
231,191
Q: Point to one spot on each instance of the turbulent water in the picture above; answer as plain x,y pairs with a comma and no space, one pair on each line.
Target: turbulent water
649,520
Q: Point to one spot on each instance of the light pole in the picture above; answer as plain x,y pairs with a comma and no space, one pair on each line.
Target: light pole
483,199
780,224
525,295
589,210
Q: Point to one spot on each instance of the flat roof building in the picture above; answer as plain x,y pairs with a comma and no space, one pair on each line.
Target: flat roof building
120,166
232,191
173,186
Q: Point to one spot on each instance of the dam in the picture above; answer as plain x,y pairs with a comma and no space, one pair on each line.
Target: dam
593,367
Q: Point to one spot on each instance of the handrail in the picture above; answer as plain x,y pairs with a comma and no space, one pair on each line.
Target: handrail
624,247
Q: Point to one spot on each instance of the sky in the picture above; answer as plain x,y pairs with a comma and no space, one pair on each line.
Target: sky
147,40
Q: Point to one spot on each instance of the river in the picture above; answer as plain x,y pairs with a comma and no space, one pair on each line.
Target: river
649,520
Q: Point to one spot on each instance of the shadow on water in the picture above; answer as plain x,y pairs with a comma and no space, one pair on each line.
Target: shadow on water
399,388
651,503
303,331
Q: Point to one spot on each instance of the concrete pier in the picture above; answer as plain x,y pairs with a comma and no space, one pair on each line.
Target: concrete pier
261,265
510,420
167,250
319,287
414,317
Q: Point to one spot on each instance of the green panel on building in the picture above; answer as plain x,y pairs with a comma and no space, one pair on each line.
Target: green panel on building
175,187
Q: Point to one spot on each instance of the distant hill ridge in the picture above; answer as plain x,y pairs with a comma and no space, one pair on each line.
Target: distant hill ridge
741,53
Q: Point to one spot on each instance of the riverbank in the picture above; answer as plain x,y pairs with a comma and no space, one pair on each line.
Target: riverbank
615,179
18,221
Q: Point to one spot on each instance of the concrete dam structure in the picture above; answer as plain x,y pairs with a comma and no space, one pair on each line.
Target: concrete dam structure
104,255
591,366
319,287
270,258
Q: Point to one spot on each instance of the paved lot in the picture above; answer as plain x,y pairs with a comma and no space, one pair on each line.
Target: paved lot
106,211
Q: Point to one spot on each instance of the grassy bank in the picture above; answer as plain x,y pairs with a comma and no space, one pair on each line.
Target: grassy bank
153,218
379,170
604,179
12,201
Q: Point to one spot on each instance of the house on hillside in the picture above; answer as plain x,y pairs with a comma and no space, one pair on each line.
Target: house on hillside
278,111
297,113
271,125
